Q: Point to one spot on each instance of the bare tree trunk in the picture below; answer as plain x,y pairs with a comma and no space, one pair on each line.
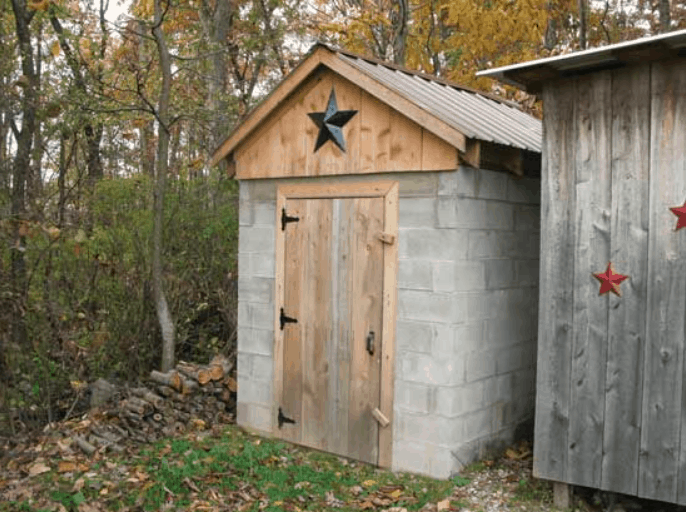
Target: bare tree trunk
22,161
665,16
163,314
399,20
582,24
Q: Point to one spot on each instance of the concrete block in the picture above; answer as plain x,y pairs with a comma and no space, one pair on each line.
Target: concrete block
526,190
261,264
460,183
477,424
468,337
446,212
426,306
492,185
414,336
254,416
479,214
256,289
480,365
461,307
429,428
527,272
255,392
262,368
243,366
265,213
428,370
527,218
499,273
256,239
259,190
486,305
411,456
466,453
483,244
508,330
256,315
469,276
505,386
443,276
443,341
255,341
415,274
417,212
512,358
436,244
411,184
443,464
415,397
246,213
459,400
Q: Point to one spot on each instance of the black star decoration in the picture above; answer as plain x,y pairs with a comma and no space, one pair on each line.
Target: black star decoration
331,122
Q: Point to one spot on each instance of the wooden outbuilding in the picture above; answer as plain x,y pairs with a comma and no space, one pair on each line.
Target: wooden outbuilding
611,404
388,264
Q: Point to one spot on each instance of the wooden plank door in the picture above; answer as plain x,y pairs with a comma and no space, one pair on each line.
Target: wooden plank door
331,358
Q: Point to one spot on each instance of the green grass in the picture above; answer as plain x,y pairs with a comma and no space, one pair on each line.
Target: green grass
268,474
533,490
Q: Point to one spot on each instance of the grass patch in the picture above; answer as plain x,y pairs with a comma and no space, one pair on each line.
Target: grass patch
234,468
533,490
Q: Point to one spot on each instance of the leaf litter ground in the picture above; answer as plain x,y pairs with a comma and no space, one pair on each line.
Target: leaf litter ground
225,468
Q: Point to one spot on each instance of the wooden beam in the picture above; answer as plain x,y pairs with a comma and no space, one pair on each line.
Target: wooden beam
289,84
403,105
513,161
472,153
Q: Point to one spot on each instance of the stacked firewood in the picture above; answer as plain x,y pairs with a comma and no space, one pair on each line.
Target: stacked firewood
189,396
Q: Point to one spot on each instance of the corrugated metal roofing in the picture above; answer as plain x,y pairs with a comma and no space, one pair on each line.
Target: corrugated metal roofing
531,75
476,115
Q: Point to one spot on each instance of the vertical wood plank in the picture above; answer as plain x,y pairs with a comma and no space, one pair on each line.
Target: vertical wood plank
556,283
592,252
437,154
279,300
390,293
662,402
295,270
366,309
375,131
629,252
316,323
338,346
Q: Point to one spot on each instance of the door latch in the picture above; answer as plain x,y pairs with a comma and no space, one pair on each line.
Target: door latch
370,343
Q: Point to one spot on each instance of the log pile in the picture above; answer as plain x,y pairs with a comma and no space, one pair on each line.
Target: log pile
189,396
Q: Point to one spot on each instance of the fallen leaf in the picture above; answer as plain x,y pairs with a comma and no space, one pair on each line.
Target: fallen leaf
78,485
443,505
85,507
66,466
356,490
368,483
38,468
367,504
395,494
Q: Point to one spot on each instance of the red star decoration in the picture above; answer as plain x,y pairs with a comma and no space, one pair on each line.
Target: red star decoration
609,280
680,211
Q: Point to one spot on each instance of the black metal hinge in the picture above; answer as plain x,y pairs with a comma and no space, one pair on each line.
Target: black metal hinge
283,419
285,219
283,320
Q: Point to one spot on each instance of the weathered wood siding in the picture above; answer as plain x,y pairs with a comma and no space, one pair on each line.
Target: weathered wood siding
378,138
610,403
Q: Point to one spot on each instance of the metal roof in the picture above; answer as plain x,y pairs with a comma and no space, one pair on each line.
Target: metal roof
475,114
530,76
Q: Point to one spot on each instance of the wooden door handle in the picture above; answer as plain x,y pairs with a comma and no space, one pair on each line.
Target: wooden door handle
380,417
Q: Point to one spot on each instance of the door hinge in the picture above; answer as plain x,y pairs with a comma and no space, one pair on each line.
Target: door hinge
281,418
285,219
283,319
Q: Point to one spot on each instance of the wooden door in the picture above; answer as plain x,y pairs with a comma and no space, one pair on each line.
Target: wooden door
332,314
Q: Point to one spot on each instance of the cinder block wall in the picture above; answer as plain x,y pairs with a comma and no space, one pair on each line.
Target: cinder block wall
467,312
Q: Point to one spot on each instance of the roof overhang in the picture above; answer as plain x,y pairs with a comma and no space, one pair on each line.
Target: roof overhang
531,76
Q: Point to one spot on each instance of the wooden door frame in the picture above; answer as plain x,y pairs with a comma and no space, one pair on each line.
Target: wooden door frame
388,190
